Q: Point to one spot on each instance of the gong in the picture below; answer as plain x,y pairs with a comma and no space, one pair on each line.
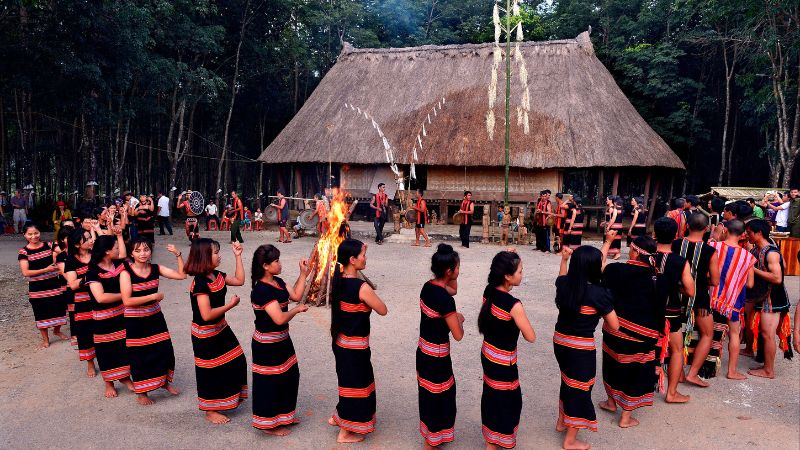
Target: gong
411,215
196,203
270,214
306,220
458,218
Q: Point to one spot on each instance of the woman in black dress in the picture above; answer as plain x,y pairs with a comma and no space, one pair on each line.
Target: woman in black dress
67,296
148,340
36,262
629,353
80,243
108,254
438,318
501,320
573,235
639,222
220,365
581,301
614,222
145,218
276,376
352,301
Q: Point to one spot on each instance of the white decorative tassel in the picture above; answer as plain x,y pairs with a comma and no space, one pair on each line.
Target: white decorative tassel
413,172
519,115
414,153
424,133
526,99
359,110
496,22
374,125
526,126
493,89
443,100
386,143
419,139
523,74
346,105
519,32
429,118
490,124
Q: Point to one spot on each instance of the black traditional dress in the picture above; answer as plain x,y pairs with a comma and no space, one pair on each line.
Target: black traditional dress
109,324
219,362
501,402
437,386
629,354
44,290
276,376
145,224
68,297
83,328
616,244
573,344
573,237
639,227
149,344
355,411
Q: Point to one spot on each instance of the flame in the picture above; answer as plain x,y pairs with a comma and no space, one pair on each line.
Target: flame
328,243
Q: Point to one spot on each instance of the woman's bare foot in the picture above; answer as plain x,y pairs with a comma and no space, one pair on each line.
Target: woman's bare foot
278,431
144,400
761,372
608,406
676,398
696,380
128,383
111,391
560,427
736,376
91,372
171,389
217,418
348,437
61,335
627,422
332,422
415,244
571,441
44,344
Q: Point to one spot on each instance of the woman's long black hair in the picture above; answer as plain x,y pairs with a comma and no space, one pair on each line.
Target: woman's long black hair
264,254
504,263
349,248
101,246
585,267
443,260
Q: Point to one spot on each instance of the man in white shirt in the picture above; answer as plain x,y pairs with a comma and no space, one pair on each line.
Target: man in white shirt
211,214
782,214
163,214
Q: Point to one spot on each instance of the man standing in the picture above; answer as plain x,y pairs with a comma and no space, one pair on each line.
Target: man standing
679,216
794,213
703,264
238,216
467,209
769,293
421,206
543,212
211,214
20,205
727,299
163,214
380,203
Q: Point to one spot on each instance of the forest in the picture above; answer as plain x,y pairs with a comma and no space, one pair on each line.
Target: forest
149,94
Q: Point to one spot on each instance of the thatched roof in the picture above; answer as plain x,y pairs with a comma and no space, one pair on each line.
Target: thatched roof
579,117
738,193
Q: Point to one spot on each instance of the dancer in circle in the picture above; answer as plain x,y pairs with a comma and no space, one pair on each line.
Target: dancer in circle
108,254
148,341
36,262
67,296
614,222
352,301
220,365
276,376
438,319
582,301
191,226
145,218
639,222
501,320
80,243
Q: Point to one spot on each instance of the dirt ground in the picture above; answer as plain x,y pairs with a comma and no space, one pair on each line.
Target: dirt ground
49,402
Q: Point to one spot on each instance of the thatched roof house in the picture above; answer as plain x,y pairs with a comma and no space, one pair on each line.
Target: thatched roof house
579,119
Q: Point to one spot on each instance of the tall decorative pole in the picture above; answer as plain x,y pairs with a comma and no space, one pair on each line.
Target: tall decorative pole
512,23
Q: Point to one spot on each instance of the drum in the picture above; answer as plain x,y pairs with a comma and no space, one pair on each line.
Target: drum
270,215
411,215
458,219
306,220
196,203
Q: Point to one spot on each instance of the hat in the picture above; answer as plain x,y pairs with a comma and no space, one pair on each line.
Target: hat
60,203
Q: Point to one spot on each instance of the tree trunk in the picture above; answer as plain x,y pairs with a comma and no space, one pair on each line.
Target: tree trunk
175,155
729,67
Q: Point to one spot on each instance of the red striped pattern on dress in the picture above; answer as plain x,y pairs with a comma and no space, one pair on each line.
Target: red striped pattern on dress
275,370
264,306
627,402
82,270
224,403
217,284
435,388
46,294
500,313
82,297
439,437
619,334
636,328
270,338
109,337
219,360
71,307
503,440
44,276
428,311
582,385
86,315
576,342
151,384
355,427
207,331
38,255
266,423
116,374
109,313
627,359
352,342
498,356
142,311
437,350
86,354
139,342
734,264
576,422
357,392
588,310
49,323
354,308
112,273
501,385
153,284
